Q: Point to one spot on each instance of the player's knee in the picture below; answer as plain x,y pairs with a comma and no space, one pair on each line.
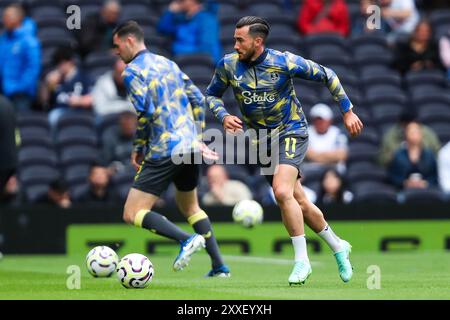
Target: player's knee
283,194
128,216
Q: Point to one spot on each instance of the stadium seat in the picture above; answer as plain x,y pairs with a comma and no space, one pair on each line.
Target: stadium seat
99,58
33,119
194,71
36,154
312,173
49,41
78,154
76,135
365,172
85,119
326,39
264,9
378,195
374,38
106,122
432,113
436,77
54,32
194,59
47,11
377,96
421,98
229,9
387,112
36,174
442,129
32,137
360,151
388,78
419,196
36,192
369,134
45,22
77,191
76,174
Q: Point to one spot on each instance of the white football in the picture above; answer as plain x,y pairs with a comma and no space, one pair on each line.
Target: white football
248,213
135,271
102,261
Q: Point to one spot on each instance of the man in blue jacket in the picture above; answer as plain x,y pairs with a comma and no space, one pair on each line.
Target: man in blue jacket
20,57
193,27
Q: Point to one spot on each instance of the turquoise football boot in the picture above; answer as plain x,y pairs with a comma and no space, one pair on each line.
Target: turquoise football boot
343,261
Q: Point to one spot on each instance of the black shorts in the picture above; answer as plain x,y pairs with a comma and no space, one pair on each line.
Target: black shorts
292,150
154,176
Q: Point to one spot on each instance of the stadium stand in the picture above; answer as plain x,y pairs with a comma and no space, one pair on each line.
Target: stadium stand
363,63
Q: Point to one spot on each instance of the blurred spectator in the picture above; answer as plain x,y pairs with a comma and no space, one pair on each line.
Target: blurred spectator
222,190
193,28
327,143
394,137
96,33
99,189
10,193
333,188
401,15
444,168
67,87
319,16
413,165
444,48
109,94
20,56
118,143
8,158
359,25
58,195
420,52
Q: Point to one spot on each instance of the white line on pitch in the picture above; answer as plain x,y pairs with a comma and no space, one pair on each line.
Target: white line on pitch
266,260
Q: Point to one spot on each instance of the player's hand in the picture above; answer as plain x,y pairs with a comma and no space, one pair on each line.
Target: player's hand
207,153
232,124
136,159
352,123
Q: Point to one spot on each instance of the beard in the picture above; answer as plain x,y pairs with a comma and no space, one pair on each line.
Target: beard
247,57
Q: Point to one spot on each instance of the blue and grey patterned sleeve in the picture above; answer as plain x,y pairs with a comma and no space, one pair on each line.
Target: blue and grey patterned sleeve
215,90
310,70
138,94
196,99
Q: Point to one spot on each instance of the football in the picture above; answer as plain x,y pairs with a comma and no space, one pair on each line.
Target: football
135,271
102,261
248,213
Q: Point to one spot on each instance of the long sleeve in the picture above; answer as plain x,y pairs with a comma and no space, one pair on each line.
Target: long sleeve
30,75
196,99
398,168
140,98
309,70
105,98
215,91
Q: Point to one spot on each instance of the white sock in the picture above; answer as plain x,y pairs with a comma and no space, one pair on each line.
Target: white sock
333,241
299,243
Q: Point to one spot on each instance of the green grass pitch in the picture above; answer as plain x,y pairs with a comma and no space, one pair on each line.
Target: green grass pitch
404,275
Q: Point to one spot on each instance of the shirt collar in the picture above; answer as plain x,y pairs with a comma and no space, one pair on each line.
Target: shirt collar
260,59
139,53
